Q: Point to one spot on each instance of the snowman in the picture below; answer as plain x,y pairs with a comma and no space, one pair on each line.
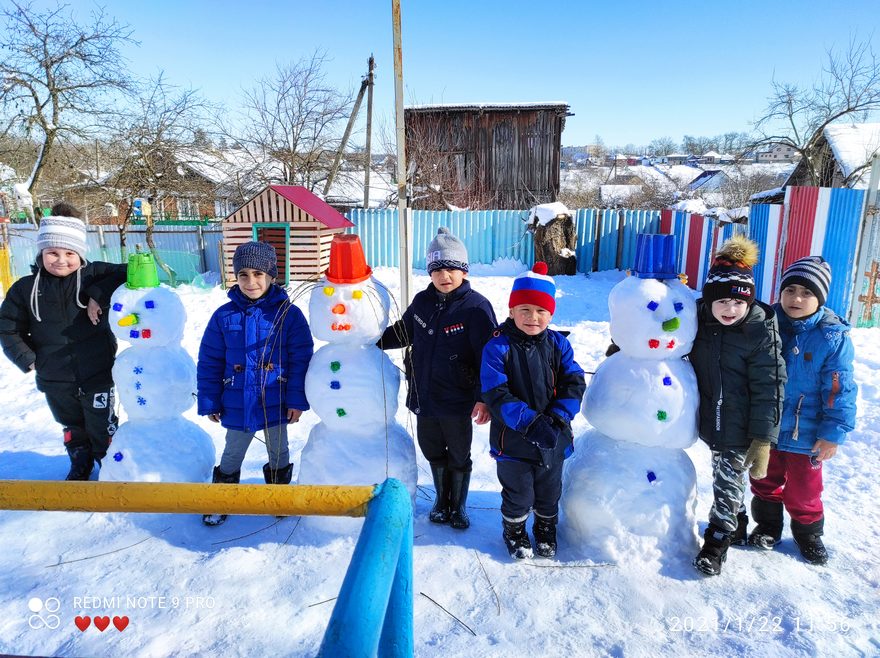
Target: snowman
155,379
629,492
351,384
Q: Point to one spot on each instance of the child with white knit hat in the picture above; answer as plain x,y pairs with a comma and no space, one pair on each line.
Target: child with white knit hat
52,322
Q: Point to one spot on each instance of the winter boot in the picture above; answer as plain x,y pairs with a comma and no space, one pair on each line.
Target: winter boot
544,529
714,552
81,463
222,478
277,476
808,537
459,482
740,535
768,515
440,511
517,539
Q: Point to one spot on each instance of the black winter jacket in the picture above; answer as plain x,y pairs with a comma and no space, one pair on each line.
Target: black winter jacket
64,345
445,334
741,376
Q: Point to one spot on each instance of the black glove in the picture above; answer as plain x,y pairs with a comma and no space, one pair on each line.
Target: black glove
545,437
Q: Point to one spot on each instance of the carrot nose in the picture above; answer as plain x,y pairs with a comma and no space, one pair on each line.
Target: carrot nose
339,309
129,320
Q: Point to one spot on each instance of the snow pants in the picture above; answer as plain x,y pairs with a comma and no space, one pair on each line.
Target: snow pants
728,488
89,417
446,440
237,443
794,481
527,486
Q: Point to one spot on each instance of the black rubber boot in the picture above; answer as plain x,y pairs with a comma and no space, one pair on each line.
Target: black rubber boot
277,476
81,463
459,482
440,511
768,515
221,478
517,539
740,535
544,529
808,538
714,552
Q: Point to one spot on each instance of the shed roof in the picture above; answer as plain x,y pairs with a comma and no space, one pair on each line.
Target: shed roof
559,106
854,145
312,204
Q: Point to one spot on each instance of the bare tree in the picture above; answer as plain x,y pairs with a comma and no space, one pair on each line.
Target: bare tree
291,124
56,75
662,146
848,88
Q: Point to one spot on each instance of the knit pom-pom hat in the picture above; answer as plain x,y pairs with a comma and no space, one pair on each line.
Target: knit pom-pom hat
731,275
534,287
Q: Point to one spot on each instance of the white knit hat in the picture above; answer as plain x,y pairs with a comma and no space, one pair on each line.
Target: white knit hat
62,233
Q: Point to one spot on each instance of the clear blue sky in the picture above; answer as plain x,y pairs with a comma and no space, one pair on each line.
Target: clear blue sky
631,71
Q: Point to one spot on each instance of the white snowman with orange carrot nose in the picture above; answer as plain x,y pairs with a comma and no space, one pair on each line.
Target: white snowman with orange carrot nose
155,380
351,384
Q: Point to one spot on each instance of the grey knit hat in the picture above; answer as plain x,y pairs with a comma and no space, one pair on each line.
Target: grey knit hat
256,256
813,273
62,233
446,252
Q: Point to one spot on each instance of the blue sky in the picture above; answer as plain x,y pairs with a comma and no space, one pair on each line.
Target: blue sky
631,71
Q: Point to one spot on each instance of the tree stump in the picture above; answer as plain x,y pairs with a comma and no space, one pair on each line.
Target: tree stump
555,245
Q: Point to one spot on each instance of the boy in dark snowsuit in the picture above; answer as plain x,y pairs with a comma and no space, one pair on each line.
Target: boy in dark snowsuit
819,411
446,326
252,367
533,387
53,322
740,372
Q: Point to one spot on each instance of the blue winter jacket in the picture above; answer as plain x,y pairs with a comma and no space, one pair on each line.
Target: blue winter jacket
820,396
253,361
523,376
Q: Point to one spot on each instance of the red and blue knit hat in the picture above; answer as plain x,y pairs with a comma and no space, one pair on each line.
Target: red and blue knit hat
534,288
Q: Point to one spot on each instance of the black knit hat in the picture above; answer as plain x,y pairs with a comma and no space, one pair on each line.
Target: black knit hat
256,256
731,276
813,273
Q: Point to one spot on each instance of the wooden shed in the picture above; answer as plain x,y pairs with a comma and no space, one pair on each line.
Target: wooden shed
295,221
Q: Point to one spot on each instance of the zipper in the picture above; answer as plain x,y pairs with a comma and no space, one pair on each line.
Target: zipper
797,417
835,388
720,392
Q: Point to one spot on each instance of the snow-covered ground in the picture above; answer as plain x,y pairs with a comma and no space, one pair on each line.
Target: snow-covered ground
259,587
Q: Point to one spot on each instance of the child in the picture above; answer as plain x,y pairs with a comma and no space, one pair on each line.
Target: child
740,374
50,322
446,326
533,387
819,411
252,367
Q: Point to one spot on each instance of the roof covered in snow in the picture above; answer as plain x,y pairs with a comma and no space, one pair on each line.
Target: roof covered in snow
488,107
853,146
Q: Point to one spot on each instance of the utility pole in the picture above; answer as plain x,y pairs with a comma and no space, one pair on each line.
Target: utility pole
371,66
345,135
402,210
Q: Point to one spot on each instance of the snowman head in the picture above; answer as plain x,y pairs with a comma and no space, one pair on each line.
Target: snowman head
348,306
147,317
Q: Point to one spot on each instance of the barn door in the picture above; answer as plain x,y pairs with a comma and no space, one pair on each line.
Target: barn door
278,235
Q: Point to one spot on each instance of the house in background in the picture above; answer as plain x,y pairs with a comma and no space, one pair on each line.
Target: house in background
844,160
778,153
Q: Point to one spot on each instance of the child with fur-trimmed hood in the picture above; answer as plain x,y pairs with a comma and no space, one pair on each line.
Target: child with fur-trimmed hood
737,358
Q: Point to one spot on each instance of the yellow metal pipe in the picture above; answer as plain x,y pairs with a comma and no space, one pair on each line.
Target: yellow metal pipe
185,498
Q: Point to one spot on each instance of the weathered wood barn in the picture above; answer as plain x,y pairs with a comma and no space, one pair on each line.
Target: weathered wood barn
483,156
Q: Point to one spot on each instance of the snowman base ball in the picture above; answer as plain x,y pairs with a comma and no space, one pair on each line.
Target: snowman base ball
134,456
624,502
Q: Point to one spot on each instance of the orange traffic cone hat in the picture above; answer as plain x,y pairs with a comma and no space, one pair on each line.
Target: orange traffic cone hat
347,261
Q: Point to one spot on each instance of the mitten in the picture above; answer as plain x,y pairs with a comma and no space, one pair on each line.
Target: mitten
757,458
544,436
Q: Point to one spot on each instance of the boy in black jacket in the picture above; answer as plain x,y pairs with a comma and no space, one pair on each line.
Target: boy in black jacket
51,322
445,328
533,387
740,372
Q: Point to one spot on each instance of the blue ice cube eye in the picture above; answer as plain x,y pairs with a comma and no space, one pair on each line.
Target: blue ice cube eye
653,306
117,307
678,306
149,304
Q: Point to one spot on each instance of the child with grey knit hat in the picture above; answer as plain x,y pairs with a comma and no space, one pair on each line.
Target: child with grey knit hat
819,411
52,322
445,329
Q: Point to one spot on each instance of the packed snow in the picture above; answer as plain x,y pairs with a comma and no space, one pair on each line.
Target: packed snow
265,586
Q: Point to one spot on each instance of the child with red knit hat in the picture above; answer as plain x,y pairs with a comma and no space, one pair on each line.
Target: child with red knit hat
533,387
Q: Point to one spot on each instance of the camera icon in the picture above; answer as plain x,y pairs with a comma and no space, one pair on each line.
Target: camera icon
44,613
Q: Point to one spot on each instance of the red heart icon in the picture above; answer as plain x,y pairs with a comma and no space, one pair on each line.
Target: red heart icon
101,623
82,623
121,623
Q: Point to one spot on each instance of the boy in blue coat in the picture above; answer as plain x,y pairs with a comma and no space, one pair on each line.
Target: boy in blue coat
252,367
819,411
533,387
446,326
